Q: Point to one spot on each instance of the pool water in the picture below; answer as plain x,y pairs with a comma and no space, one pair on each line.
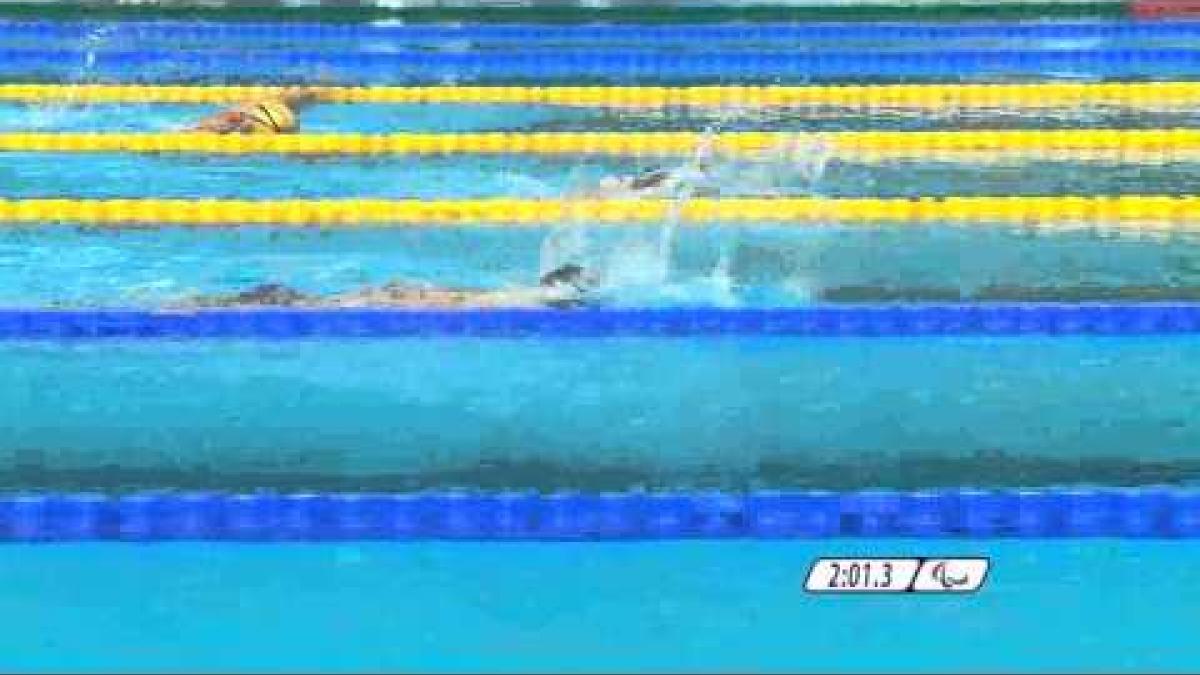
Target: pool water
604,414
1056,606
596,414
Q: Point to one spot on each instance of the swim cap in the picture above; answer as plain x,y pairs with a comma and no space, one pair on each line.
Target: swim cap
280,114
570,273
270,116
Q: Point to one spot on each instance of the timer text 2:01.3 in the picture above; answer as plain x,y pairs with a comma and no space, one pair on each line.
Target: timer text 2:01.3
862,575
853,574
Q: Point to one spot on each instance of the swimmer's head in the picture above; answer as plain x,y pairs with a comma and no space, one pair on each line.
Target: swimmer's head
569,274
650,179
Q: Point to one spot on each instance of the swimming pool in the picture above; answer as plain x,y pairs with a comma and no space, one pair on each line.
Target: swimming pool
868,359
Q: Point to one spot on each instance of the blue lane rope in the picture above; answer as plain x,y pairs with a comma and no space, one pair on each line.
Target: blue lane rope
1147,512
586,66
820,321
529,35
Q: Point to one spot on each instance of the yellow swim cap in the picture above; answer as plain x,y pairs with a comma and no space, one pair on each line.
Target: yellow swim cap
270,116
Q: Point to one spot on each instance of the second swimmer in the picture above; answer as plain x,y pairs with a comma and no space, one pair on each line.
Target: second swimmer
273,114
563,288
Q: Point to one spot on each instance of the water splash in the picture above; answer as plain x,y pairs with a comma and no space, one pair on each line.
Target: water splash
97,38
54,115
636,265
794,165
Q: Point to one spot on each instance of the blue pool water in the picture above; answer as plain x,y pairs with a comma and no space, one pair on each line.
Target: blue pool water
593,415
1064,606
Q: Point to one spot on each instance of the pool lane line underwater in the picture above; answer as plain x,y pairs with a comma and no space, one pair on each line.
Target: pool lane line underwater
994,320
1142,146
614,66
1008,96
533,35
579,13
1133,214
465,515
26,470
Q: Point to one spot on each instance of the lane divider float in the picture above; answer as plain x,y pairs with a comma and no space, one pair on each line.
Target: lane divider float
533,516
1085,145
1130,213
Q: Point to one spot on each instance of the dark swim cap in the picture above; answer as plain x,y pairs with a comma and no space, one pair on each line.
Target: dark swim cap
566,274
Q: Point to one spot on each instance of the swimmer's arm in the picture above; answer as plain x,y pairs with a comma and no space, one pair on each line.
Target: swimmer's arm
531,297
225,122
300,97
453,298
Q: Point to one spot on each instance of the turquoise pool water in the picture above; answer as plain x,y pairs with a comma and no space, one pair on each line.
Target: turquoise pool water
765,266
1059,606
611,414
603,414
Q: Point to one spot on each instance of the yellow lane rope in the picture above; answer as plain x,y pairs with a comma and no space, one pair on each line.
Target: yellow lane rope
1048,95
1131,213
1140,146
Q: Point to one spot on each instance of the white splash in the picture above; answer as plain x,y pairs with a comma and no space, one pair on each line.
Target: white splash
52,116
635,262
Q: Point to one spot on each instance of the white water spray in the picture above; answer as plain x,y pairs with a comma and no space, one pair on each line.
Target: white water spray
636,264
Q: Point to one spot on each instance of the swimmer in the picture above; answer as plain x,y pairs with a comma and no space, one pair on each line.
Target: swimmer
271,114
807,155
562,288
681,181
654,183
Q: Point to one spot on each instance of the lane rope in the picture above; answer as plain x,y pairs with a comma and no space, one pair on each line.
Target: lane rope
532,35
1128,213
976,146
590,65
1029,96
833,321
465,515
